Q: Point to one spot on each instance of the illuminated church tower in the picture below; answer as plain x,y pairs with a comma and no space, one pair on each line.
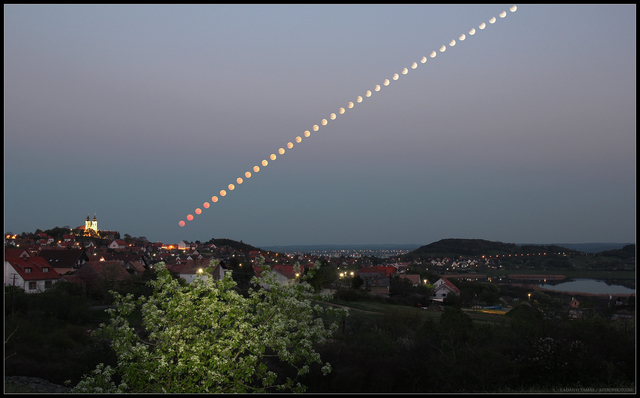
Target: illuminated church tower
91,227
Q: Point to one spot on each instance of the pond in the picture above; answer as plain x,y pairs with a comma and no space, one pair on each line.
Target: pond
593,286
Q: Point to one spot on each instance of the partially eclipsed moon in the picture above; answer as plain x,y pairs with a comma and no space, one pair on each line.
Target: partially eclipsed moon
423,60
405,71
214,199
472,31
247,174
265,163
324,122
482,25
223,192
307,133
377,87
298,139
492,20
443,49
433,54
290,144
503,14
231,187
273,156
462,37
395,76
386,82
414,65
341,111
368,94
359,99
513,8
332,116
256,168
452,43
281,151
316,127
239,180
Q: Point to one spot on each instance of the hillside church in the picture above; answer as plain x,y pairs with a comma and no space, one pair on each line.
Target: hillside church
90,229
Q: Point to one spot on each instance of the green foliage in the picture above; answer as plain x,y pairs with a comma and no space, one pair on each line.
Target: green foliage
324,277
357,282
205,337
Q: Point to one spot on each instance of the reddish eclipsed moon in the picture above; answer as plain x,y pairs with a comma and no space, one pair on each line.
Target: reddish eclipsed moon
341,111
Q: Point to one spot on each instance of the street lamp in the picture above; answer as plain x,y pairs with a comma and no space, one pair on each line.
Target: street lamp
529,297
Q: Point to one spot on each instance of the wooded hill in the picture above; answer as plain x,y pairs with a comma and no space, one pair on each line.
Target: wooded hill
454,248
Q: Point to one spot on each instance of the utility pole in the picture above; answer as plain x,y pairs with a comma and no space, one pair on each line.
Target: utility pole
13,288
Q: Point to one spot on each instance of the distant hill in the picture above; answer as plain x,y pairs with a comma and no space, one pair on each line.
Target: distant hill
476,247
594,247
234,244
462,247
313,248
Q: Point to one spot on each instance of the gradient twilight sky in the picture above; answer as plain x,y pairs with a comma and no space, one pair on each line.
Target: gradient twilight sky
524,132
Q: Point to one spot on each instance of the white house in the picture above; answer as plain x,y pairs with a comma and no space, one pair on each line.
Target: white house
442,288
33,274
118,244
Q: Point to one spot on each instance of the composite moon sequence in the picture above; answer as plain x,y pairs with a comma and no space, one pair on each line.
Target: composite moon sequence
341,111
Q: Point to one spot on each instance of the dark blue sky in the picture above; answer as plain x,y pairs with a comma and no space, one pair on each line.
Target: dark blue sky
523,132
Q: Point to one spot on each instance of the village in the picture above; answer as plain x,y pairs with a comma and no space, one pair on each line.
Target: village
92,263
99,260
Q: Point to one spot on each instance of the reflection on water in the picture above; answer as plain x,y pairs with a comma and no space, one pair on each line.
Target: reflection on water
592,286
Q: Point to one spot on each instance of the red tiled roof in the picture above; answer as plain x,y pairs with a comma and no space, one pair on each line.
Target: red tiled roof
450,285
36,265
415,279
106,268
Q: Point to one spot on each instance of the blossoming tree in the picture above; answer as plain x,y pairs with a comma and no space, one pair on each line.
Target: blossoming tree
206,337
